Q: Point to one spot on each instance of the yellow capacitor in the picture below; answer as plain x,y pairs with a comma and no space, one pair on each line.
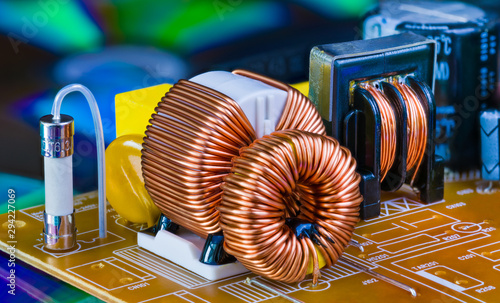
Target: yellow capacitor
125,189
133,109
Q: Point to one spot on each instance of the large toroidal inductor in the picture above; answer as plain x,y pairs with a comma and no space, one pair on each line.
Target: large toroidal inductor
205,170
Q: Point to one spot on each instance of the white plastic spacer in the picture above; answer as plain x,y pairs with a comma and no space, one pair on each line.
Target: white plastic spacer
262,104
184,249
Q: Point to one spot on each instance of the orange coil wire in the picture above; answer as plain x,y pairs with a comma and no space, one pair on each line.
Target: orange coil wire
289,174
192,140
417,128
388,131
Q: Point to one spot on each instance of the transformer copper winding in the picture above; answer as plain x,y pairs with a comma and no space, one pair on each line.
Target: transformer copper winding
416,128
192,140
388,131
289,174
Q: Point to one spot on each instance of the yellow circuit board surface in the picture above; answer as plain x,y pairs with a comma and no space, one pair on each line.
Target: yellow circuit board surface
448,251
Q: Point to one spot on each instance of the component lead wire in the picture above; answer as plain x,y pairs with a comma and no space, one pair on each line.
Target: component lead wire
380,276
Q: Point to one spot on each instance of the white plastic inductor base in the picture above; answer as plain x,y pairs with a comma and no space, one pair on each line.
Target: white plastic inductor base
184,249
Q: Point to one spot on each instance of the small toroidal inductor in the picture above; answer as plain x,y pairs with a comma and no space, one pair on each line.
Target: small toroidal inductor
281,177
201,149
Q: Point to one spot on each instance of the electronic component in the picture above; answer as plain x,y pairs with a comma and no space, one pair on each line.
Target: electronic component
57,149
310,180
375,96
56,132
195,104
466,67
133,109
265,106
261,103
199,127
125,189
490,145
184,248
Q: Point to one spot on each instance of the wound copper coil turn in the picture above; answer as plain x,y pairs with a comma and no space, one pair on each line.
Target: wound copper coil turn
193,137
416,128
290,174
388,130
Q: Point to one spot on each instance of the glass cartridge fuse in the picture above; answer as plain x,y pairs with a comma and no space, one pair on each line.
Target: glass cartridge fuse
57,149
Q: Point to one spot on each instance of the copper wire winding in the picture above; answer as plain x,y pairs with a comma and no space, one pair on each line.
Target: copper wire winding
289,174
192,139
416,128
388,131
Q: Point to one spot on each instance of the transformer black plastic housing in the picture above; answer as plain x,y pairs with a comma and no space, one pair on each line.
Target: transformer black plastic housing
352,116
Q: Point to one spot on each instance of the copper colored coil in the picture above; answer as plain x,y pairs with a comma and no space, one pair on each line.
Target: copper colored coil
311,164
189,146
388,130
417,128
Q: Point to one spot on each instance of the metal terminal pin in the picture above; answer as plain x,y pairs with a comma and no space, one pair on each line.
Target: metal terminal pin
356,244
380,276
271,289
489,188
59,232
